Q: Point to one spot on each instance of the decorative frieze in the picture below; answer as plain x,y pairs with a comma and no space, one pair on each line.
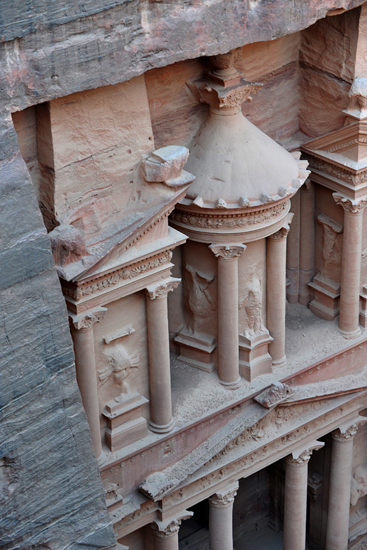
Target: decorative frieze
104,282
229,221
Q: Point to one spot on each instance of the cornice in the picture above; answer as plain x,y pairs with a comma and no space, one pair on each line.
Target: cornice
120,275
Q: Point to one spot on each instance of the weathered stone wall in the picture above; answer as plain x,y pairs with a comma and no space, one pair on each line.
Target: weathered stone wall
327,62
51,494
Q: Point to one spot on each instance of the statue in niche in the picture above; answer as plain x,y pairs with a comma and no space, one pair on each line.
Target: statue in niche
119,367
197,297
359,484
332,249
252,303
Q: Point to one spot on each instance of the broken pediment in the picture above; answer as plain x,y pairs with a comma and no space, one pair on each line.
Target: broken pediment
346,146
254,430
134,236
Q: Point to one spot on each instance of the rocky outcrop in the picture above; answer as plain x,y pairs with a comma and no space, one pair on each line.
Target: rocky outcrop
51,495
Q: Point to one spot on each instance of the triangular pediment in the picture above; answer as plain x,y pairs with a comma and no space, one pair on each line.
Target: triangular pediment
255,428
133,236
346,146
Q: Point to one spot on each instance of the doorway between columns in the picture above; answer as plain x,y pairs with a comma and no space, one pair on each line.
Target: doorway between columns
258,512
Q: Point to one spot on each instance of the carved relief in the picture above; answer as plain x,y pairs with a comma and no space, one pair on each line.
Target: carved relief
197,297
359,484
118,276
252,304
277,393
119,367
229,222
332,249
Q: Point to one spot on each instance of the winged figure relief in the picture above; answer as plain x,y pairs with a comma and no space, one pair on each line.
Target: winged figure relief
119,366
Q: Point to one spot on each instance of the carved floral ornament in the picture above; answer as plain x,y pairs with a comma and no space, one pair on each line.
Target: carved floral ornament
336,171
85,321
227,251
170,527
160,290
283,231
352,206
345,435
118,276
222,500
303,458
165,532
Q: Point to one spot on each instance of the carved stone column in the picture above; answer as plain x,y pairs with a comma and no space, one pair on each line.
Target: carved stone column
159,362
228,351
339,490
307,241
351,264
221,520
276,292
86,375
166,532
295,498
293,246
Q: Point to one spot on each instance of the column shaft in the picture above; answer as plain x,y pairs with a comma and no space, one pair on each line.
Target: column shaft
221,528
307,241
339,494
228,351
166,543
351,274
295,506
159,365
276,296
86,375
293,245
221,519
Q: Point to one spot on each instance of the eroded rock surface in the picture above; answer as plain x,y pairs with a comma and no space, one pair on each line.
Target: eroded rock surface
51,495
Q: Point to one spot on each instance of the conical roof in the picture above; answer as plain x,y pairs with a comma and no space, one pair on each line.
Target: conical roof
234,161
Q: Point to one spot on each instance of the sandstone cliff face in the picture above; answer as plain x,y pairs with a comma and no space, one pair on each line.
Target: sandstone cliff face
51,495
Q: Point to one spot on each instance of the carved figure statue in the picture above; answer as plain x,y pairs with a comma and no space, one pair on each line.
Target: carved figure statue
197,297
253,306
332,250
119,366
359,484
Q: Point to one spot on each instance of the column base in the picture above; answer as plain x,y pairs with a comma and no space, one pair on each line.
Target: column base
350,335
280,362
232,385
161,429
102,459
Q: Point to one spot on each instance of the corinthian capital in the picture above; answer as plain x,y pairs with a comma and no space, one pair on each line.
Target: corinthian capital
345,435
228,251
162,288
284,230
353,206
87,319
224,498
169,527
303,455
